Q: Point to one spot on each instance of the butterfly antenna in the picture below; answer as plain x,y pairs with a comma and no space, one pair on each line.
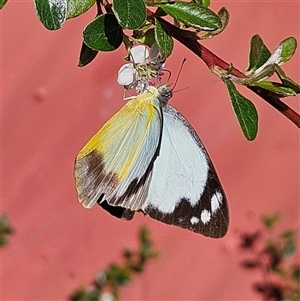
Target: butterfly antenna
179,72
197,85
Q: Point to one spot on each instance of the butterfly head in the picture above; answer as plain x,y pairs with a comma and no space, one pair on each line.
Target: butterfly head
164,94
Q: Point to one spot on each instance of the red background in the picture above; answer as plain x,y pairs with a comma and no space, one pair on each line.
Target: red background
50,108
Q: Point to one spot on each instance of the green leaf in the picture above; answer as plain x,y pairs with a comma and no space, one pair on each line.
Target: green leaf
286,80
193,14
52,13
148,38
224,17
86,55
279,271
103,34
269,221
78,7
131,14
288,234
273,248
163,39
116,274
278,89
296,273
259,53
244,110
283,52
5,230
289,248
205,3
223,14
288,48
144,235
2,3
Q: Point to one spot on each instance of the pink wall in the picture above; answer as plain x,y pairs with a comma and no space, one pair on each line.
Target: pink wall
51,108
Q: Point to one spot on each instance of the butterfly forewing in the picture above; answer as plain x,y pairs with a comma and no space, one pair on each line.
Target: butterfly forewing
185,190
114,166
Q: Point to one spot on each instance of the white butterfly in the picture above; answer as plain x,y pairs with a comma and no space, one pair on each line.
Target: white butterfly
148,158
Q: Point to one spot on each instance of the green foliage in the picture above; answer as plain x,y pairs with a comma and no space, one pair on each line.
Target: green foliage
52,14
163,39
273,255
262,65
149,38
5,230
269,221
223,15
244,110
103,34
193,14
87,54
286,81
259,53
131,14
78,7
276,89
2,3
205,3
286,49
107,284
142,21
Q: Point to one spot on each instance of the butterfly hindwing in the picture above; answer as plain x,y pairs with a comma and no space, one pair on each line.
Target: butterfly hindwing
115,166
185,190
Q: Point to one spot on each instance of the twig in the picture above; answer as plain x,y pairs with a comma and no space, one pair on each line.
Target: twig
187,38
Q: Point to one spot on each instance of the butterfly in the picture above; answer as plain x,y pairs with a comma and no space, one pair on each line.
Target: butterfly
148,158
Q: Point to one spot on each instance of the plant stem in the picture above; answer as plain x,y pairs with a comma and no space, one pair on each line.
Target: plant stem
187,38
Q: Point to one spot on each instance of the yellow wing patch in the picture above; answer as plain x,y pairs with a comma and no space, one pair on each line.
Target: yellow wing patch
127,143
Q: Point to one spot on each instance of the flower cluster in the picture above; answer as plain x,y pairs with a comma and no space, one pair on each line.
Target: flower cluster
143,67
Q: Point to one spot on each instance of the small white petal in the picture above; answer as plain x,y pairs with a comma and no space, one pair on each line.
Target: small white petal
139,54
106,296
125,74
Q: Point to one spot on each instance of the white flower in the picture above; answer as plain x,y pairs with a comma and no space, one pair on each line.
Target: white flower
139,54
125,74
107,296
143,67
